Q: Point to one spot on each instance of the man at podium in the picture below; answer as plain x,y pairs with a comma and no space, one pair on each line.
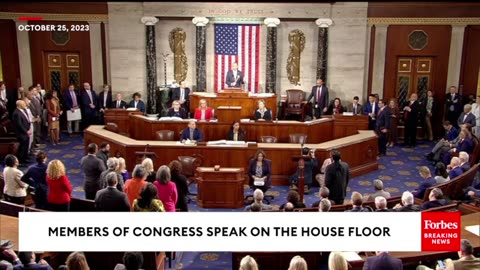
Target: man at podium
234,77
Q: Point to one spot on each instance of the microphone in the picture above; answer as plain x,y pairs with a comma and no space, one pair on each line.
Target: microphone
145,152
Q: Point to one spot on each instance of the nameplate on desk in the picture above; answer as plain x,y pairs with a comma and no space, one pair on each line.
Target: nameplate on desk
229,107
348,113
131,109
173,118
226,143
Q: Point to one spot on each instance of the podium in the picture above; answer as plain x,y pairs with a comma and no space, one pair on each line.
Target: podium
233,92
220,189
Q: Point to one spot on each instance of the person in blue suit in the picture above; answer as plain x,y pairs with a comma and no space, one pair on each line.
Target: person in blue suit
89,103
371,109
137,103
72,102
382,127
191,133
428,182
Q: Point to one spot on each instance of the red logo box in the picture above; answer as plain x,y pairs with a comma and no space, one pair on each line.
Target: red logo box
441,231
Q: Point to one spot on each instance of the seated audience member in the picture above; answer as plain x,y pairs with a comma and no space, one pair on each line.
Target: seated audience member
381,204
110,199
335,107
472,192
336,261
435,199
167,190
455,170
259,171
103,152
77,261
379,192
288,207
112,165
137,103
337,176
262,113
248,263
148,164
203,112
357,201
15,190
407,204
355,107
324,205
258,199
465,144
147,200
381,261
181,183
428,182
28,260
466,116
464,161
59,187
255,207
441,174
320,177
298,263
8,258
118,103
236,133
36,176
122,169
323,194
134,185
466,262
131,261
451,133
294,198
191,133
176,110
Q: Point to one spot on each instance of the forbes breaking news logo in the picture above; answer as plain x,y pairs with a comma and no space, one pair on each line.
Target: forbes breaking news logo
441,231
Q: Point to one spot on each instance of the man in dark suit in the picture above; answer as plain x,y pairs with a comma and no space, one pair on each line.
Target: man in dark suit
357,201
381,204
119,103
110,199
435,199
371,109
453,102
234,77
89,102
407,204
137,103
382,127
92,167
337,176
36,109
28,260
382,261
21,124
320,98
355,107
191,133
466,117
182,94
410,114
428,182
455,170
104,102
72,103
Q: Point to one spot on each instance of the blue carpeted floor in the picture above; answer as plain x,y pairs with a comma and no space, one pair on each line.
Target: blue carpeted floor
398,170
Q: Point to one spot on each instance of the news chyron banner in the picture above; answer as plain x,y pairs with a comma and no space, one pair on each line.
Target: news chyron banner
239,231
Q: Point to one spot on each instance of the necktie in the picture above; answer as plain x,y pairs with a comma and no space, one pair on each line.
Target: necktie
118,104
90,96
319,92
191,134
465,117
74,98
26,115
355,109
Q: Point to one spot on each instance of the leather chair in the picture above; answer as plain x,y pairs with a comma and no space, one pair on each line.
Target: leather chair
165,135
268,139
189,167
112,127
295,103
298,138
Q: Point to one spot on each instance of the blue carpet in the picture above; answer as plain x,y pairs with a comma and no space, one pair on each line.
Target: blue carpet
398,170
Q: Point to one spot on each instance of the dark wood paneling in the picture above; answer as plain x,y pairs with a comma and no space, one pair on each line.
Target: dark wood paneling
370,60
56,7
41,41
471,63
423,9
9,52
438,47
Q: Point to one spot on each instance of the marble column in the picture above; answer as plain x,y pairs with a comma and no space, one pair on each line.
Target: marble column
322,53
201,53
271,69
455,58
151,64
25,58
96,55
379,55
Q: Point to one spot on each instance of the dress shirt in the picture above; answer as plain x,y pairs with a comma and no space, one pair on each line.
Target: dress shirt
235,136
136,102
74,99
105,95
89,92
465,117
373,108
118,104
203,115
3,94
191,134
355,108
319,93
182,93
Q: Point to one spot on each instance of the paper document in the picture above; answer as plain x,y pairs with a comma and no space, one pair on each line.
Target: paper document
351,256
475,229
74,116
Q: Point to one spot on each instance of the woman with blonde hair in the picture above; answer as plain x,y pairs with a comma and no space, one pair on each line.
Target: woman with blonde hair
148,164
336,261
122,169
59,187
203,112
77,261
248,263
298,263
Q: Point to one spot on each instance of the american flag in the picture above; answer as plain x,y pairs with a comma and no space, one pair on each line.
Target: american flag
238,43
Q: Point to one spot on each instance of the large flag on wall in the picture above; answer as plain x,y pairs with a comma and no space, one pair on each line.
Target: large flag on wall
238,43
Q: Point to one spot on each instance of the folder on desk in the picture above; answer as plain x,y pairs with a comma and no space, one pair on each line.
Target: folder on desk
74,116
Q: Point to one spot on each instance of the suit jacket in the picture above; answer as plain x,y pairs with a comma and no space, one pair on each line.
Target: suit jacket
411,117
176,94
266,171
420,193
181,113
86,103
68,99
231,79
433,204
457,171
337,182
465,166
358,111
36,176
123,104
92,167
408,208
36,107
101,96
140,105
379,193
208,114
383,261
241,135
267,115
367,108
32,266
453,104
358,209
383,119
465,263
21,124
111,199
466,145
451,134
197,134
323,101
470,119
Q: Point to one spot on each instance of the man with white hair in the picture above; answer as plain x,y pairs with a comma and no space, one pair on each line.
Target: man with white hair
464,161
381,204
466,116
378,185
324,205
258,198
456,170
112,165
407,204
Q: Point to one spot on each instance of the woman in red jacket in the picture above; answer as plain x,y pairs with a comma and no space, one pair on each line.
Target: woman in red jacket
203,112
59,187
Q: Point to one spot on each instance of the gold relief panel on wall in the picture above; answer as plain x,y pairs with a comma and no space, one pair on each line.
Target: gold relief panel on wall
404,65
176,39
54,60
72,61
297,44
424,66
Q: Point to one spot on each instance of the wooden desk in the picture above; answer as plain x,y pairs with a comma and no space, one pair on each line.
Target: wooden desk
9,230
220,189
120,117
346,125
228,114
248,103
